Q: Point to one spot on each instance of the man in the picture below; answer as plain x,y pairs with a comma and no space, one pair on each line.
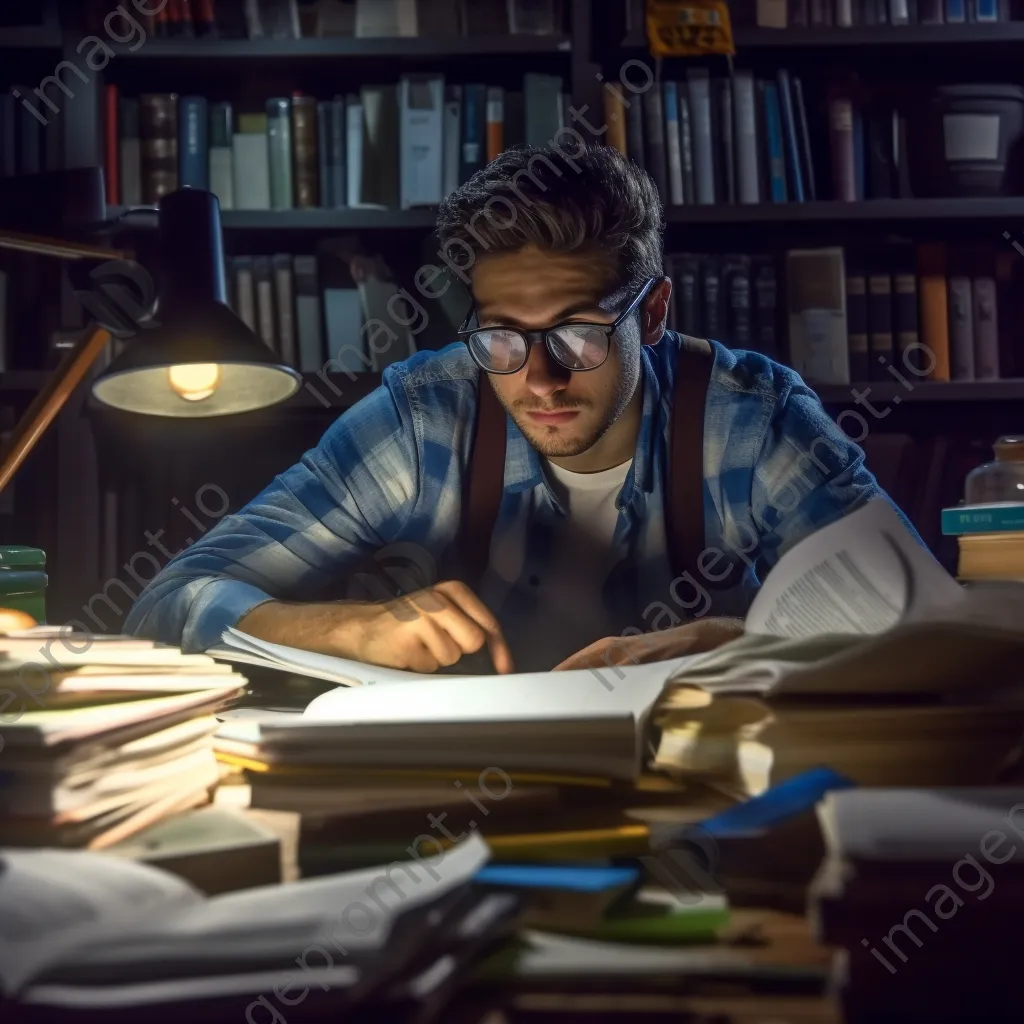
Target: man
564,261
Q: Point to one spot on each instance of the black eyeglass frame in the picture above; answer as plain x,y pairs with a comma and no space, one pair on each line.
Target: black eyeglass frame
530,337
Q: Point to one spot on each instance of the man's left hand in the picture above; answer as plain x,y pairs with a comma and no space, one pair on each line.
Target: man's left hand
661,645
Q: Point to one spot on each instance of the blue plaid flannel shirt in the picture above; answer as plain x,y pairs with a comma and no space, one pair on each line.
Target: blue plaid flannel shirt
384,487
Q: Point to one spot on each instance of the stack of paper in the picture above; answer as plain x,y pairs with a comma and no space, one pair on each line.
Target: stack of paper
92,934
863,655
916,885
550,760
102,736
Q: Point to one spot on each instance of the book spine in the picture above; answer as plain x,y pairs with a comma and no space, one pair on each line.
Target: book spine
245,291
495,122
686,276
880,342
956,12
452,137
130,153
193,143
284,295
986,329
279,147
766,306
931,12
880,155
803,131
308,314
994,519
354,149
711,295
736,286
673,144
723,108
844,185
699,86
748,179
338,159
474,127
323,152
158,127
111,148
686,145
789,135
934,310
776,152
306,173
654,130
857,320
635,132
615,119
904,316
961,329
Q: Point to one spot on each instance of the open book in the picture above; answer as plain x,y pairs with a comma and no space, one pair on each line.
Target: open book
87,931
861,608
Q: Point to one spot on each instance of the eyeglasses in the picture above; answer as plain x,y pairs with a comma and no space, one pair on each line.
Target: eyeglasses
577,346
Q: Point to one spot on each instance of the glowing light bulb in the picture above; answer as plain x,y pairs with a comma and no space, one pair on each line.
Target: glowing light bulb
194,381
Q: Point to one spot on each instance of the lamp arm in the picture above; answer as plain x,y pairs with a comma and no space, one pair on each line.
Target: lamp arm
50,400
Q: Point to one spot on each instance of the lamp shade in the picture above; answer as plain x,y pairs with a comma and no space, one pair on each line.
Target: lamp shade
196,358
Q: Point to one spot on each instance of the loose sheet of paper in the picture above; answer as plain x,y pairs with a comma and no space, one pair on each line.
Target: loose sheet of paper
860,574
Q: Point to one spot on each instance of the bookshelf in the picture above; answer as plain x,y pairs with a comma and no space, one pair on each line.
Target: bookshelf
427,48
147,467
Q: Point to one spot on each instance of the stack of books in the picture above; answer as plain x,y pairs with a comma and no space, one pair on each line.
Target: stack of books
990,538
103,736
382,145
911,881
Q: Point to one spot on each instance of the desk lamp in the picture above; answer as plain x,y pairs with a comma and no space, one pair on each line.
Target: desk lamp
192,357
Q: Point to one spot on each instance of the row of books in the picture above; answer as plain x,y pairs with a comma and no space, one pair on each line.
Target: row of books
990,539
312,312
738,139
366,19
31,138
717,140
849,13
840,316
402,145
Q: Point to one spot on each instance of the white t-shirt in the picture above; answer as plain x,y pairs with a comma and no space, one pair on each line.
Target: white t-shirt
570,612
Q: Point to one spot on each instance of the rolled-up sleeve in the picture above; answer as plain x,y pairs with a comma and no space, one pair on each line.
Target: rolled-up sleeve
342,501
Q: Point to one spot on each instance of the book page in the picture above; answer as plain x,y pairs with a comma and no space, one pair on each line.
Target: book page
50,897
342,671
539,696
860,574
252,939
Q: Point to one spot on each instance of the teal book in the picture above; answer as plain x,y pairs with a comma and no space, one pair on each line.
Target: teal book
1004,517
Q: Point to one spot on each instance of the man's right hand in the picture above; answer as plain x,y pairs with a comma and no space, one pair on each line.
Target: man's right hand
422,632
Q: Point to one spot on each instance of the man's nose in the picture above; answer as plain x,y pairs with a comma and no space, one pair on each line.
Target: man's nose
544,377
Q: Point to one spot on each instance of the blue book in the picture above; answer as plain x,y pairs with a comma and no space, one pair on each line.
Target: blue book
193,143
338,160
572,877
776,153
956,11
986,10
858,153
323,153
789,135
474,130
1005,517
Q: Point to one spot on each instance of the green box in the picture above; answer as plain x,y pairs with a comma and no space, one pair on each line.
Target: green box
23,580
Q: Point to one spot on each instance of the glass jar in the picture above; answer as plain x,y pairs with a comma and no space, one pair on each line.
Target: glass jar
1001,480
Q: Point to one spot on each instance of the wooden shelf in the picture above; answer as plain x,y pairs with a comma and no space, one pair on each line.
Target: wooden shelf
1001,208
892,392
754,38
344,46
871,210
294,220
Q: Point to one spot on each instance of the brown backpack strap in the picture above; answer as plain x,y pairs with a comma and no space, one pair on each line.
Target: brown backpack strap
684,498
486,482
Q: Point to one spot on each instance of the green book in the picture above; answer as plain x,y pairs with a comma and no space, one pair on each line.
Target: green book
1004,517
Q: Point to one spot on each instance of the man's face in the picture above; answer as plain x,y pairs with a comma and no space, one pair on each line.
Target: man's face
560,412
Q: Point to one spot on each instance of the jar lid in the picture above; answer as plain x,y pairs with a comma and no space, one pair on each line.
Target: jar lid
1010,448
18,556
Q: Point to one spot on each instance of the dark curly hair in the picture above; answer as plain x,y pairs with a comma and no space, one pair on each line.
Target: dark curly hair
595,202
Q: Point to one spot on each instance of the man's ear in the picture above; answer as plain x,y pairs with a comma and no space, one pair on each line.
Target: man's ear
655,312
